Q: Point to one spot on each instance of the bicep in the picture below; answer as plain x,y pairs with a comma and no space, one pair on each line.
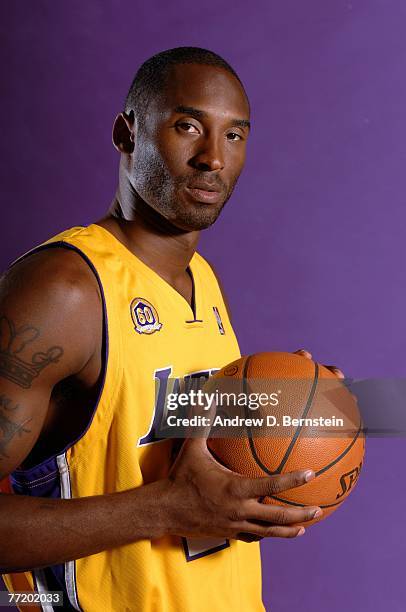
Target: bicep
41,343
22,414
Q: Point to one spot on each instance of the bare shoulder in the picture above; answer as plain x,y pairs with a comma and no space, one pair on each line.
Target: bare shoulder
50,268
56,292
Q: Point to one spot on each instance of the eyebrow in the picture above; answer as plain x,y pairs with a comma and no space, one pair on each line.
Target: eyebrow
200,114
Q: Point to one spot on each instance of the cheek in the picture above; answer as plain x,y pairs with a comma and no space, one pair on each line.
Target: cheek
147,171
234,163
148,164
174,152
238,156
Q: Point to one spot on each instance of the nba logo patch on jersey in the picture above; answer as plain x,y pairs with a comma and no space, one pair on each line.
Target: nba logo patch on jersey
144,316
218,319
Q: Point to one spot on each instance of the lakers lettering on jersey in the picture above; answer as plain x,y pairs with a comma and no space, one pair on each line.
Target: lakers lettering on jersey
153,338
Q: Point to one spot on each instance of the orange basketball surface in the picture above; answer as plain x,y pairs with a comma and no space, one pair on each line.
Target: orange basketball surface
307,391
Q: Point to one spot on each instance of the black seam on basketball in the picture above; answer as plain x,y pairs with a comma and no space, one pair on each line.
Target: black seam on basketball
291,503
305,413
297,432
327,467
247,427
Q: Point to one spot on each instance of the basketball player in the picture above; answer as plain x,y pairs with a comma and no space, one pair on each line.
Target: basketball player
91,322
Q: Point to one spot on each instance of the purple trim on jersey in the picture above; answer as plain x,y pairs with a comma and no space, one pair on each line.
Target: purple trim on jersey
36,471
204,553
41,481
44,481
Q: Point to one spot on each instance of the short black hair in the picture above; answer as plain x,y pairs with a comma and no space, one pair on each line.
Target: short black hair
151,76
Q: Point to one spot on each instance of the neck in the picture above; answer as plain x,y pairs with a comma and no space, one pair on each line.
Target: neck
165,249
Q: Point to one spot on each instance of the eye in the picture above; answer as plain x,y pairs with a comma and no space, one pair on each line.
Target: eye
186,127
234,136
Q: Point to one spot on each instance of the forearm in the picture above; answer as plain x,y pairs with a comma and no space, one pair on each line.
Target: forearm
37,532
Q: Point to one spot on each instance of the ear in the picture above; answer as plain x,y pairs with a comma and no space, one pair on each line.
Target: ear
123,135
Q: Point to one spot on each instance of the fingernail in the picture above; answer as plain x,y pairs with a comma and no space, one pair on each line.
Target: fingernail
309,474
317,513
300,532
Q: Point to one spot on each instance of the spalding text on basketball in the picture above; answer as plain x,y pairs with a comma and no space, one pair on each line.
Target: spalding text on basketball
348,480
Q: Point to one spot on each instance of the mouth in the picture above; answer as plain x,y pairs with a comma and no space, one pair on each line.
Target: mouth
204,193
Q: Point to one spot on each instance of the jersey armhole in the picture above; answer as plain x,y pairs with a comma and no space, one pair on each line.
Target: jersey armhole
21,480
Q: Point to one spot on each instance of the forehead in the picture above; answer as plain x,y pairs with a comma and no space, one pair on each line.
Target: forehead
205,87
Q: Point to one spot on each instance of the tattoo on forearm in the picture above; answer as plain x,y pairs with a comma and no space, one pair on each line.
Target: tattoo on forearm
12,341
9,429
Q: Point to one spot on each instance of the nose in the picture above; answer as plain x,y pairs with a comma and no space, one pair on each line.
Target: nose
210,155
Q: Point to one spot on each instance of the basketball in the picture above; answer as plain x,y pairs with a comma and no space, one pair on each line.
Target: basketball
314,423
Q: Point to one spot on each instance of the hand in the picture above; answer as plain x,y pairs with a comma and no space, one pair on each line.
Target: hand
332,369
205,499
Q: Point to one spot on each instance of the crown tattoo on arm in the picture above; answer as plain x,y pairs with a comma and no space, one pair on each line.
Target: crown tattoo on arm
12,341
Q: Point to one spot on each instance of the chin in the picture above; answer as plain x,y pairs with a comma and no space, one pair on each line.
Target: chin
195,222
190,226
197,217
187,216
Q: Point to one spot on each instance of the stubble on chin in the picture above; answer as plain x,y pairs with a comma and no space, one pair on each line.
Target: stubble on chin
164,194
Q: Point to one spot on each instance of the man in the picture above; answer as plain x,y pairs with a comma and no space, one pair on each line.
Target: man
90,321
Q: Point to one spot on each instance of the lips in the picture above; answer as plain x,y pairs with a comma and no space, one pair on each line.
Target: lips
204,192
204,186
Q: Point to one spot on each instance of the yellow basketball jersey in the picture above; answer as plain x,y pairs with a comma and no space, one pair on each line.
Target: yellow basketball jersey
153,337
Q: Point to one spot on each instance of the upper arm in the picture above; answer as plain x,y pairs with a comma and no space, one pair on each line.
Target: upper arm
48,331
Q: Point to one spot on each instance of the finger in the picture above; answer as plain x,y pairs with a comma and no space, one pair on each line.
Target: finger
280,515
270,485
274,531
303,353
335,371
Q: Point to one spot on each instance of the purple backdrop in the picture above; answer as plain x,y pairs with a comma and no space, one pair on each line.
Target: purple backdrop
311,246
